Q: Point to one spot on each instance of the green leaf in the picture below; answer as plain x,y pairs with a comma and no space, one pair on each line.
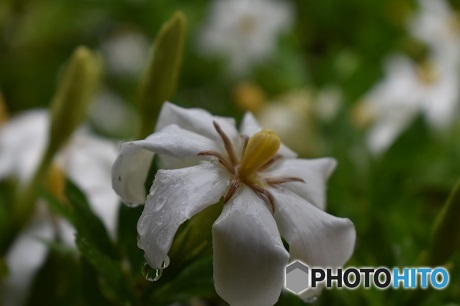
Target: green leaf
108,269
127,237
446,230
159,82
89,226
195,280
90,287
56,283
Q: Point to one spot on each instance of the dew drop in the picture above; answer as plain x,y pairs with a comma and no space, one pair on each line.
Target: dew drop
165,263
151,274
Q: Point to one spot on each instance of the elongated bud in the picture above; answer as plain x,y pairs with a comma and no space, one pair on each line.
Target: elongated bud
261,147
446,230
158,84
76,88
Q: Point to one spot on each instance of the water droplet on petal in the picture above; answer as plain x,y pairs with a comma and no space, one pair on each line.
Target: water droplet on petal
165,263
151,274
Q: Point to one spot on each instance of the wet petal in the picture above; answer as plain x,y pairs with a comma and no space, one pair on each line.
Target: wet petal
250,126
249,257
133,162
314,172
175,196
314,237
196,120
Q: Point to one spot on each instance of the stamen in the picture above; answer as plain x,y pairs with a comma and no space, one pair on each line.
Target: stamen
220,158
266,196
235,183
227,143
273,160
281,180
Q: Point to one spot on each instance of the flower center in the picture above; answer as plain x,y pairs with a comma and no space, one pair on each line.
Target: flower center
259,153
261,148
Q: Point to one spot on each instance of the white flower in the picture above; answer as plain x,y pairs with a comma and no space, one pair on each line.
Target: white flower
268,192
244,31
86,160
438,26
126,52
406,91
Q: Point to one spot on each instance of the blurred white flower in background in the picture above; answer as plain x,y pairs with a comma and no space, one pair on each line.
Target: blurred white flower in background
407,90
86,160
438,26
111,115
126,52
244,31
430,87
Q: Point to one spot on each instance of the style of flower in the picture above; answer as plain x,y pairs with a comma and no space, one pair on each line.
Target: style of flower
268,193
86,160
244,31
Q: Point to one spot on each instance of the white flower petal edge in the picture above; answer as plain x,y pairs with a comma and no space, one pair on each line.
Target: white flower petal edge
130,170
176,196
314,172
250,126
196,120
249,256
314,237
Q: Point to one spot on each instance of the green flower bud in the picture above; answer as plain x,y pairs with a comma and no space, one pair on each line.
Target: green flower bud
76,88
159,81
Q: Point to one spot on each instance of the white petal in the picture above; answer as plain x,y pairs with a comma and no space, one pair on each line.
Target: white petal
250,126
87,162
196,120
314,172
133,162
249,257
24,259
314,237
175,196
383,134
22,144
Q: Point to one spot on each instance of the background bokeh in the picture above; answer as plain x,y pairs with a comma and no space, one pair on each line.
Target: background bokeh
312,83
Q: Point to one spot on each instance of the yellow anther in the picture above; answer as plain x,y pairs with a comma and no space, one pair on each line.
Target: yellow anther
261,147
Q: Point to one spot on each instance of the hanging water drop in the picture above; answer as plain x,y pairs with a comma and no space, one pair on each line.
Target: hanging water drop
151,274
